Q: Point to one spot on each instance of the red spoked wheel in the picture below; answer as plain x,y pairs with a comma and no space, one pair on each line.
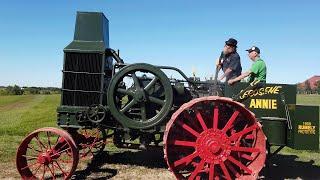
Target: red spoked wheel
214,138
91,142
47,153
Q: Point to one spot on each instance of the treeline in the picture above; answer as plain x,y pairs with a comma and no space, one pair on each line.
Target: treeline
17,90
305,88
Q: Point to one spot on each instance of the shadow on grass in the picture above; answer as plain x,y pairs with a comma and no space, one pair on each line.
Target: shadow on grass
279,167
149,159
287,167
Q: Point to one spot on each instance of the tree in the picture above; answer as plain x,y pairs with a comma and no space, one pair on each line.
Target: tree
318,87
14,90
33,90
307,87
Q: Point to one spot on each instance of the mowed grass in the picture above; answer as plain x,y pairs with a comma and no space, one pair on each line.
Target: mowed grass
20,115
311,99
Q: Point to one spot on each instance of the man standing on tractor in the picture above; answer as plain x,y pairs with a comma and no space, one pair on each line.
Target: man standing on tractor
258,70
229,61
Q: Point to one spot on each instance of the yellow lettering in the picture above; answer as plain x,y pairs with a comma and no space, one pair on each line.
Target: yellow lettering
265,104
266,90
277,89
258,103
252,103
274,104
261,91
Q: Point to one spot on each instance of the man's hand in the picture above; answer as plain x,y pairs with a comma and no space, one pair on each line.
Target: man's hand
231,82
218,63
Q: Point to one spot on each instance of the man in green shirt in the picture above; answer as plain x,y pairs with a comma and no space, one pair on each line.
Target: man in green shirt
258,70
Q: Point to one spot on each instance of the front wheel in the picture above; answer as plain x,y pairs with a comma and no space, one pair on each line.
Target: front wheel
47,153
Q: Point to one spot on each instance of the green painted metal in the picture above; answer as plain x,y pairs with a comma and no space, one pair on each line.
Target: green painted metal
265,101
275,129
90,43
91,33
305,132
66,116
140,96
268,105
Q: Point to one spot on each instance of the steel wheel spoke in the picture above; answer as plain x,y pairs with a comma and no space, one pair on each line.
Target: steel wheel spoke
230,121
232,169
33,149
249,136
244,149
59,167
40,143
49,142
65,143
143,111
188,128
151,83
215,117
44,171
186,159
28,166
125,91
60,152
225,171
184,143
37,169
243,132
157,100
136,81
239,164
200,119
211,171
247,157
30,157
197,170
51,172
128,106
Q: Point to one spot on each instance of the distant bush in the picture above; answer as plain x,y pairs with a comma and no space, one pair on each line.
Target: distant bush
32,90
45,92
14,90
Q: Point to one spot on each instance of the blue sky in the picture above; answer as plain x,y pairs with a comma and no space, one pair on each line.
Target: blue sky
185,34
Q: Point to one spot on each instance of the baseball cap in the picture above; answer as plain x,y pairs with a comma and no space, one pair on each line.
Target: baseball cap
254,48
232,42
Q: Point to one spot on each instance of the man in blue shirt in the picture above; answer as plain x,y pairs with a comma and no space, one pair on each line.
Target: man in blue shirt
229,61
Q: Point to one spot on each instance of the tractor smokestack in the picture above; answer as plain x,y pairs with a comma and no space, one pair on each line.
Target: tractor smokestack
91,33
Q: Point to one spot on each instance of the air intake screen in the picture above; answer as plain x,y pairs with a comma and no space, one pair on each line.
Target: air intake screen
82,79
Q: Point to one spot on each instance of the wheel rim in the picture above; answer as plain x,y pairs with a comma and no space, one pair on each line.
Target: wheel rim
47,153
214,137
146,98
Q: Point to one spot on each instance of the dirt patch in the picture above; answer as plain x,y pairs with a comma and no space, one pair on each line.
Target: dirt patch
12,106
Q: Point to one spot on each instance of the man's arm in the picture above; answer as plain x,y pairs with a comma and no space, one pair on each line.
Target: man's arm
226,73
242,76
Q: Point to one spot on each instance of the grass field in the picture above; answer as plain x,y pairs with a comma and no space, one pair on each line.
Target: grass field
20,115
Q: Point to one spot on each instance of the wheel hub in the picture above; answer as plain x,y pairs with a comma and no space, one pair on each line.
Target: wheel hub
45,158
140,96
213,146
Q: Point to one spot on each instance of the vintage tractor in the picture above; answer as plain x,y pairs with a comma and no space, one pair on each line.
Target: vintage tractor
207,130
